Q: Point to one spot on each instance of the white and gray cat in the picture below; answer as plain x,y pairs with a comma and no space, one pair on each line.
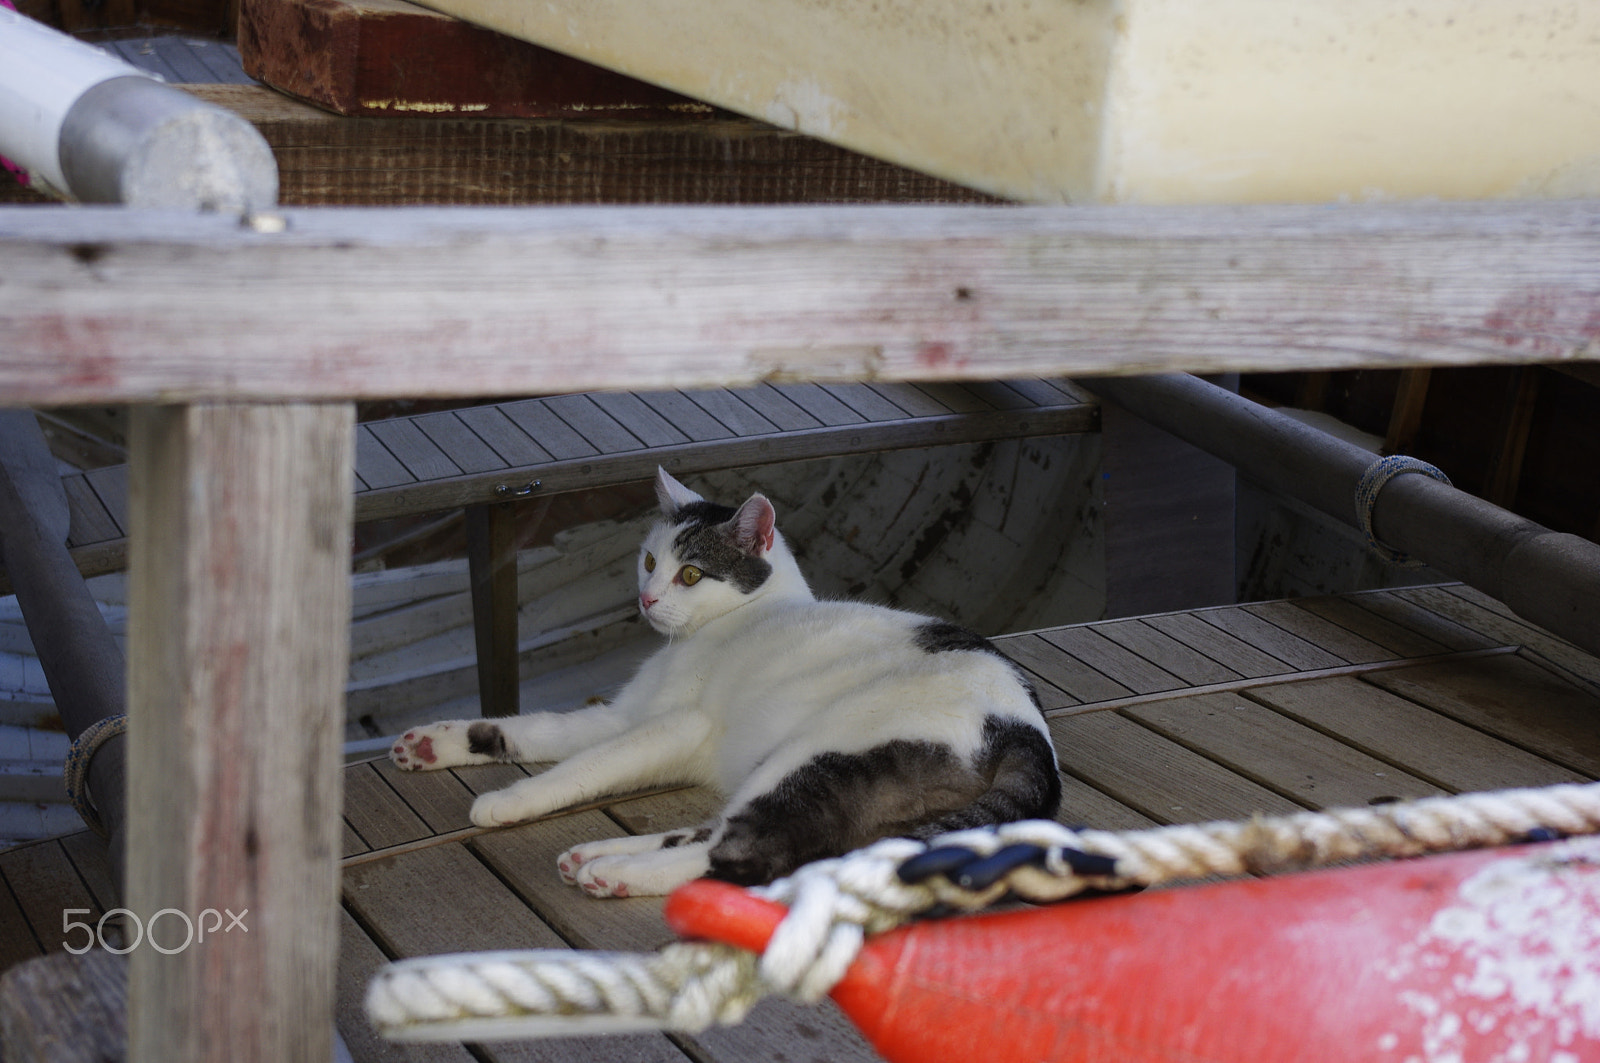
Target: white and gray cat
829,724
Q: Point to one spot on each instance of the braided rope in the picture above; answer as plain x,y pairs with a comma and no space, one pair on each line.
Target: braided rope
835,904
1379,473
75,770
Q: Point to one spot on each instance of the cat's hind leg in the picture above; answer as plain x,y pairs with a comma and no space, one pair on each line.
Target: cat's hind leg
569,862
653,873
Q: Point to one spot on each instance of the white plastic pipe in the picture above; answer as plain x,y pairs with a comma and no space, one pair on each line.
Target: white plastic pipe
97,129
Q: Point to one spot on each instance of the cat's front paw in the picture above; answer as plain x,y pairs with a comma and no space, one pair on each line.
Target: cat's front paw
450,744
497,810
603,877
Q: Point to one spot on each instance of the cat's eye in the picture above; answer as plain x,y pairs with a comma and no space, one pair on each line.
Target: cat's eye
690,575
649,562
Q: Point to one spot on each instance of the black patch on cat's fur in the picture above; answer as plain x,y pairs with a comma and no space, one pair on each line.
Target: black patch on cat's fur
842,801
486,739
939,636
672,841
704,545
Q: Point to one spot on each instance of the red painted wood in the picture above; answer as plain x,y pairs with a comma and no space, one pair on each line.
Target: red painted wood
388,57
1487,955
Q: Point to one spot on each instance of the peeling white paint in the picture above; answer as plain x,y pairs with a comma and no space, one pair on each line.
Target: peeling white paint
805,106
1510,971
426,108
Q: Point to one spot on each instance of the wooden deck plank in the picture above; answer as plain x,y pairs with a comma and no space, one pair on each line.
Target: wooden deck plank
376,813
1118,664
593,423
17,942
1320,632
421,456
359,960
1483,614
1399,641
525,859
652,429
1218,645
865,401
514,446
45,885
110,483
1077,681
953,396
1083,805
1302,764
1513,699
997,394
1153,775
742,411
686,415
818,403
91,521
910,398
551,432
376,466
87,851
1263,634
463,446
1425,743
438,798
1166,652
1423,621
1040,392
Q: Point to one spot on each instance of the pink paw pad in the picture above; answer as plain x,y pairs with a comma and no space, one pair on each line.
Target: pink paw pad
424,751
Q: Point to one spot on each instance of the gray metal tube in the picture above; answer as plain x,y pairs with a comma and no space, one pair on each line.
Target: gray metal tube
1550,578
97,129
82,662
138,142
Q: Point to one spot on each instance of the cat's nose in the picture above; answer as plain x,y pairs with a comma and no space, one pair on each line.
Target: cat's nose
646,599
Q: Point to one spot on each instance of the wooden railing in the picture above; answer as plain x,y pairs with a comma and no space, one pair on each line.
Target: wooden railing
241,345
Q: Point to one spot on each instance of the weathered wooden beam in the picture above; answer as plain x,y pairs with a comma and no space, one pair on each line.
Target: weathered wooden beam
103,306
239,628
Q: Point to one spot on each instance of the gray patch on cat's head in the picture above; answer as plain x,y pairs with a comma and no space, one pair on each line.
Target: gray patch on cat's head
708,541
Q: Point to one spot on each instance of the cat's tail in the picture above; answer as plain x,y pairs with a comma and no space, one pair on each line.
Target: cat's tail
1021,764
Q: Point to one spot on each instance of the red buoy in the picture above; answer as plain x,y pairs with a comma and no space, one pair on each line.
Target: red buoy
1491,955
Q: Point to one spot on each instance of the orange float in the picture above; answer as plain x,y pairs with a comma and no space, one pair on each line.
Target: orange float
1484,956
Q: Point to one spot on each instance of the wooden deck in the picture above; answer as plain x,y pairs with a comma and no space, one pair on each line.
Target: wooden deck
443,460
1210,714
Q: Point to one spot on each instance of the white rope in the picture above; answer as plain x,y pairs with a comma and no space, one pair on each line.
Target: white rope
834,905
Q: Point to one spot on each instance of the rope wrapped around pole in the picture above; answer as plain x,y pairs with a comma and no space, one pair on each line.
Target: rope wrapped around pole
835,904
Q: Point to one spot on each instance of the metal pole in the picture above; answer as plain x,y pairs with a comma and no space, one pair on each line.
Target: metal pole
101,131
1550,578
82,662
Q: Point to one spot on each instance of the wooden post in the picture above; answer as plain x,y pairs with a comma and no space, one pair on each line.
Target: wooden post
239,630
492,564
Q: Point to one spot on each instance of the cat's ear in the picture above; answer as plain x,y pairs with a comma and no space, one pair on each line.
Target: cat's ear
751,527
672,495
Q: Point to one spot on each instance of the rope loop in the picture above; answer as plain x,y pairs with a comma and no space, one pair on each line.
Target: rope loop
76,768
834,905
1379,473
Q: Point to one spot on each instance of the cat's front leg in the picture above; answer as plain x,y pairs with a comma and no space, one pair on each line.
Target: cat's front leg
664,749
448,744
526,738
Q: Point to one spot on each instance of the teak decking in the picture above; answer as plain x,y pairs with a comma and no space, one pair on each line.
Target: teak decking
1211,714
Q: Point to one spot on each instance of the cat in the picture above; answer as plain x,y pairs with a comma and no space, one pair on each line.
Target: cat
828,724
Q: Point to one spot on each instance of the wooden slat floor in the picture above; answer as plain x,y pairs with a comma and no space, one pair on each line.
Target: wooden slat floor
443,460
1184,717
